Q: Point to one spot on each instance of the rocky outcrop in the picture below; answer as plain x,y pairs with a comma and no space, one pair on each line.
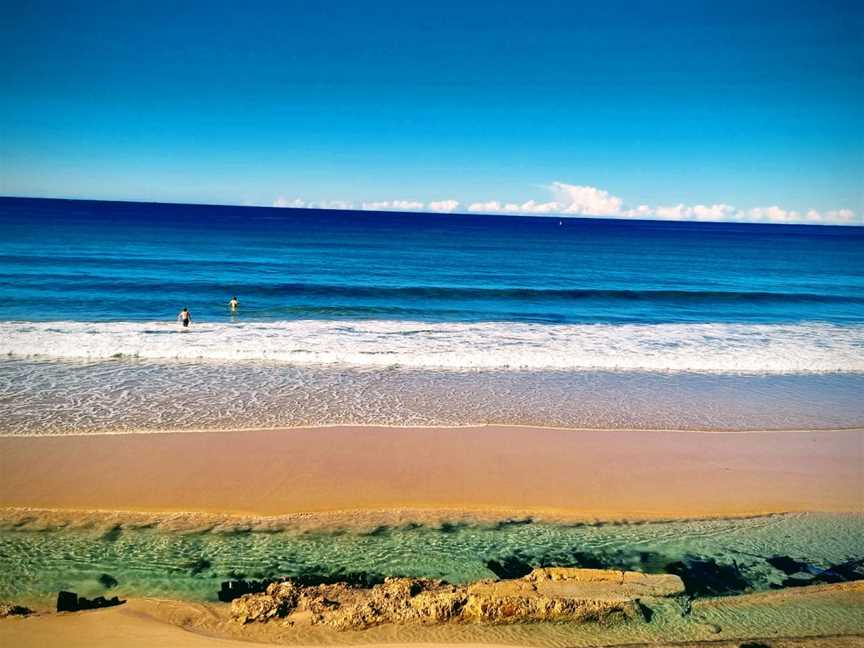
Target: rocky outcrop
10,609
555,594
600,582
233,589
71,602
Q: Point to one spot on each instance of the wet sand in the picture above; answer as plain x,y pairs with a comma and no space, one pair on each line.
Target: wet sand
575,473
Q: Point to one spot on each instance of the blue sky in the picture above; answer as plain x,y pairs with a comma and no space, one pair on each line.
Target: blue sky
713,110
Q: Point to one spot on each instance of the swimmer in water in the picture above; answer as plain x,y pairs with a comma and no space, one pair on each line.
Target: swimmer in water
233,304
184,317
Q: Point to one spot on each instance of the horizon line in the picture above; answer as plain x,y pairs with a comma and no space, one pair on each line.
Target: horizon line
469,214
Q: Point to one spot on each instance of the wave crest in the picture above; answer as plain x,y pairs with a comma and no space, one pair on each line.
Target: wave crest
710,348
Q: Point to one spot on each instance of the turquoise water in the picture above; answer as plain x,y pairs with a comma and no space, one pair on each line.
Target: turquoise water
190,561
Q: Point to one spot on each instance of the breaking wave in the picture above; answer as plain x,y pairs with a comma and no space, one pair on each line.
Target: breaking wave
707,348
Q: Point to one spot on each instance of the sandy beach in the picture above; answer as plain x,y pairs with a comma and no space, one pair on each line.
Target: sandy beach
451,324
573,473
357,475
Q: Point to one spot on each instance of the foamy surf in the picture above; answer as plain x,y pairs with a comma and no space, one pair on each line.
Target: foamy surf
705,348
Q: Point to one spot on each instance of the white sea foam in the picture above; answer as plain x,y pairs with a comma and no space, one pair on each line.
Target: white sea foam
710,348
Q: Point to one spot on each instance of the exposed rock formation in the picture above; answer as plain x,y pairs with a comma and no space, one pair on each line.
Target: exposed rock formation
67,602
10,609
555,594
233,589
71,602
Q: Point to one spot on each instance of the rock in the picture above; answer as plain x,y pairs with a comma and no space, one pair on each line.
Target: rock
398,600
707,577
278,600
98,602
600,582
198,566
67,602
233,589
787,565
851,570
107,581
509,567
71,602
10,609
551,594
489,607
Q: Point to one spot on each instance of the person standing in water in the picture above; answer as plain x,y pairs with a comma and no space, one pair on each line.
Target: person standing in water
185,317
233,304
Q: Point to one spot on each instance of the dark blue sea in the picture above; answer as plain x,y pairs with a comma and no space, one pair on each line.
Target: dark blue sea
398,318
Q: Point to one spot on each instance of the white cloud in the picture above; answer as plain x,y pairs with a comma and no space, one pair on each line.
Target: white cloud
580,199
395,205
841,217
408,205
532,207
529,207
713,212
772,214
489,207
584,200
719,212
376,206
332,204
443,206
282,201
642,211
678,212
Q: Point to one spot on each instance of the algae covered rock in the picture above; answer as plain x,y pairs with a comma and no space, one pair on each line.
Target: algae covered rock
10,609
71,602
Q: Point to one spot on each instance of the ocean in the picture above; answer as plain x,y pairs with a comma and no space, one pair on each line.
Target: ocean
432,319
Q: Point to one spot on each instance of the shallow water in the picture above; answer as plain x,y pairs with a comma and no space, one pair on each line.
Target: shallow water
45,397
189,561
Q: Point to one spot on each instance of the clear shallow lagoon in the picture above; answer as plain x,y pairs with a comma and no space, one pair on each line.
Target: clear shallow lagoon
189,561
353,317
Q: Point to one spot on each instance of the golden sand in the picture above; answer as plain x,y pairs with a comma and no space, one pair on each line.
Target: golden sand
592,474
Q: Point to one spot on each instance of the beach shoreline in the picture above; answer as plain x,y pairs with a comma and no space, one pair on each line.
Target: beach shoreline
610,474
443,426
367,478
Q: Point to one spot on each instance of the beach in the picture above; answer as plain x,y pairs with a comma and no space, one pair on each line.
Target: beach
603,474
385,485
448,325
664,400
